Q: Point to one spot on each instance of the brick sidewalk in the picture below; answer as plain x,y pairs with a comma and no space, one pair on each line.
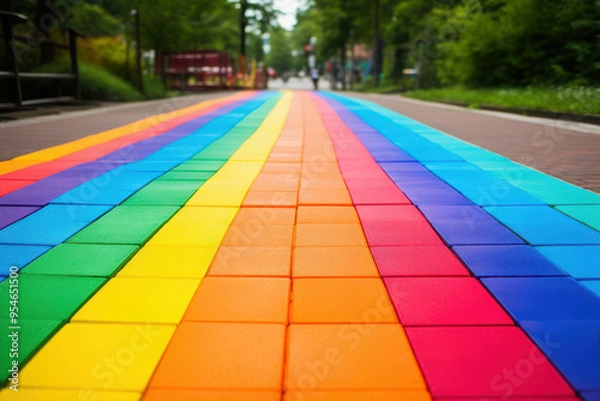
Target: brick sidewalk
568,155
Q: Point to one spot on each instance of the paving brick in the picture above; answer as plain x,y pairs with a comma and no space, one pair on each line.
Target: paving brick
169,261
66,394
592,285
327,214
59,221
468,225
163,394
444,301
240,299
51,297
577,261
395,261
125,225
545,298
572,346
223,356
333,262
507,261
31,336
484,362
82,260
139,300
363,395
19,256
329,234
252,261
543,225
333,356
68,360
340,300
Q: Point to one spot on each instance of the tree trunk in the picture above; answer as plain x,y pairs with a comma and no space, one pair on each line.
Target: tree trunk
138,53
399,54
343,69
46,22
243,22
351,67
127,54
164,64
243,9
376,47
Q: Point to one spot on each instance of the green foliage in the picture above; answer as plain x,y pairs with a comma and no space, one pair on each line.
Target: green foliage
575,99
254,50
280,58
167,25
97,83
108,53
26,7
260,15
93,20
307,26
177,25
341,23
155,89
475,43
524,42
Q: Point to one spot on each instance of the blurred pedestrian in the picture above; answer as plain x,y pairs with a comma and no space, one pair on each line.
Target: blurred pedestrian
314,75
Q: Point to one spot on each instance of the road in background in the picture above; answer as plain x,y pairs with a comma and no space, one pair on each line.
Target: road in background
294,84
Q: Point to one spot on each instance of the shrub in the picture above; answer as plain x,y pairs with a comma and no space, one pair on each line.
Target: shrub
96,83
155,89
109,53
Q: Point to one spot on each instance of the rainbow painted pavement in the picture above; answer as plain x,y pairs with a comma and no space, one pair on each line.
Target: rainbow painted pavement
295,246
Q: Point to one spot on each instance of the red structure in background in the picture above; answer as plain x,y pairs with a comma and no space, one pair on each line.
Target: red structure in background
196,70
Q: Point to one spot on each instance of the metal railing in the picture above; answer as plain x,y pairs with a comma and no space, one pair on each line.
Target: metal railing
8,20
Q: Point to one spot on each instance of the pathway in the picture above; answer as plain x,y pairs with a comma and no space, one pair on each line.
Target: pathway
294,246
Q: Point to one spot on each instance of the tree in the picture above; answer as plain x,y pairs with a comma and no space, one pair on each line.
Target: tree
259,15
94,21
280,58
377,43
307,26
521,42
176,25
342,23
254,48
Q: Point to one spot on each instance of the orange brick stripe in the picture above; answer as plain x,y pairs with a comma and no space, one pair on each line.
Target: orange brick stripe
292,304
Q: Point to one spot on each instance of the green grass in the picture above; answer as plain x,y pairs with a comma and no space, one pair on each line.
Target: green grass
581,100
383,88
